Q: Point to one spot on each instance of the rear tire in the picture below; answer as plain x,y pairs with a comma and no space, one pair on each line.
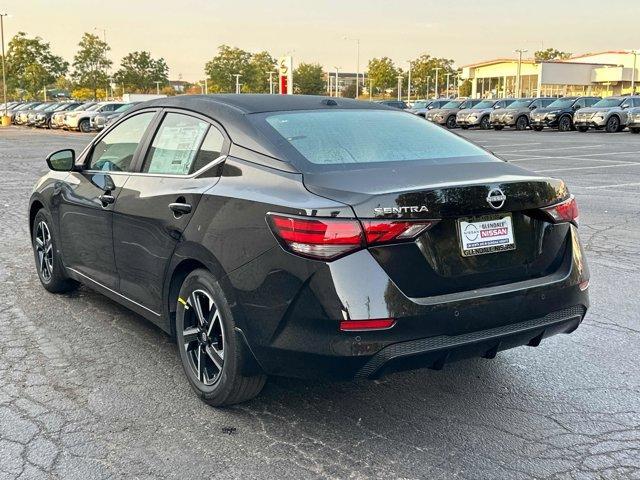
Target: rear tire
48,263
522,123
210,348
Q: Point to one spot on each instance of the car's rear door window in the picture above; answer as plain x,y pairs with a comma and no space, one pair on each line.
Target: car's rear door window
115,151
175,145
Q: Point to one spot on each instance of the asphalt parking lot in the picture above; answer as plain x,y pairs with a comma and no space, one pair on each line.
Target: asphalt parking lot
91,390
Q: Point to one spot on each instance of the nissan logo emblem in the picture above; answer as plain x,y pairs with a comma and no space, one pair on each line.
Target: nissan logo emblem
496,198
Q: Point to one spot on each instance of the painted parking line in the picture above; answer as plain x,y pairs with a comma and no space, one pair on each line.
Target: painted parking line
555,148
602,160
512,145
628,164
613,185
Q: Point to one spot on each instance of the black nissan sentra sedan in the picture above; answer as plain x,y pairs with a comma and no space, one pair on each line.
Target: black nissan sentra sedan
310,237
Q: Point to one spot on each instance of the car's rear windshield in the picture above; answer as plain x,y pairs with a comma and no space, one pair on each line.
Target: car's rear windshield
344,139
609,102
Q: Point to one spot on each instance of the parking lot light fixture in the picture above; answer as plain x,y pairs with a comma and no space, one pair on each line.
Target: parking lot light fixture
400,78
437,69
633,71
409,81
448,84
237,75
336,81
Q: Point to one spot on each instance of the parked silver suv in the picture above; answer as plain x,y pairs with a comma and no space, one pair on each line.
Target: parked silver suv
478,116
634,120
446,115
609,113
518,113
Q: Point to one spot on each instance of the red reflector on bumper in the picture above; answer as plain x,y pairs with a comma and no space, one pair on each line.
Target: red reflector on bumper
359,325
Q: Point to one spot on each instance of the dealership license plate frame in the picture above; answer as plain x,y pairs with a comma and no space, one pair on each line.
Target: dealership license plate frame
499,248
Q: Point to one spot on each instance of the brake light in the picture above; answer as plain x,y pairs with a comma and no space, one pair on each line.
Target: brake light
330,238
566,211
364,325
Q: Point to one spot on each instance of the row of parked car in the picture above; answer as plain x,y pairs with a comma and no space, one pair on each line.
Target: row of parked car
68,115
612,114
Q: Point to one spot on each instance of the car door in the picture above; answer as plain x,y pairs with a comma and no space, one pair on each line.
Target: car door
180,163
87,197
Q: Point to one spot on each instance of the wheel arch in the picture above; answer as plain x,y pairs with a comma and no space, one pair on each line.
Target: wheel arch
34,208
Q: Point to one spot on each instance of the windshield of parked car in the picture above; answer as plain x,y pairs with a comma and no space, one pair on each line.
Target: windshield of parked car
339,139
486,104
124,108
52,108
82,107
420,104
562,103
608,102
94,107
42,106
520,103
452,105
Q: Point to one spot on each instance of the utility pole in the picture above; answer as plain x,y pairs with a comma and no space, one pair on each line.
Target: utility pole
4,75
519,51
400,77
336,81
237,75
437,69
409,82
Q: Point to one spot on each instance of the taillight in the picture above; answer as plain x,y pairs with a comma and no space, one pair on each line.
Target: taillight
566,211
330,238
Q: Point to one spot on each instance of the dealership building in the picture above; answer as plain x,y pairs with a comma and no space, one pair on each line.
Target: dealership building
603,74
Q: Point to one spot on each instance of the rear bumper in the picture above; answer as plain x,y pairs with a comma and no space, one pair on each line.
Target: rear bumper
290,316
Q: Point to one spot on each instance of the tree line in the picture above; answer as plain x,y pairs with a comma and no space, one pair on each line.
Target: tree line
32,66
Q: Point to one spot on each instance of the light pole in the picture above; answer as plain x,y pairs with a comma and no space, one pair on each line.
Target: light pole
370,88
409,82
336,81
448,91
437,94
271,81
206,86
428,80
400,77
4,75
357,40
633,72
158,87
106,72
519,51
237,75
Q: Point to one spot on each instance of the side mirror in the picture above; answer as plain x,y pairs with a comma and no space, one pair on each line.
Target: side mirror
624,106
577,107
62,160
533,107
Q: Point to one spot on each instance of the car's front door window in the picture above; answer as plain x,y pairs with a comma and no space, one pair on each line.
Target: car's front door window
114,152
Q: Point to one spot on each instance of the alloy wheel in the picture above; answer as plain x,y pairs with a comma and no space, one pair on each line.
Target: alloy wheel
484,123
613,124
565,124
44,248
203,337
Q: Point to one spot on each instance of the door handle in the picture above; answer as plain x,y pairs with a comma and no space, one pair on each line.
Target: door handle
180,208
106,199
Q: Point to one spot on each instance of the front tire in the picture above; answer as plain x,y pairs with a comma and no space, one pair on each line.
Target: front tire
210,349
451,122
48,263
84,126
484,123
613,124
565,124
522,123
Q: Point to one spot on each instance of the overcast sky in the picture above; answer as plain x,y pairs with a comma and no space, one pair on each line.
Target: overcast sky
187,32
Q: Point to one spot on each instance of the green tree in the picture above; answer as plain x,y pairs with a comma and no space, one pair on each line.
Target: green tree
465,88
308,79
31,66
423,74
551,54
90,63
349,91
383,74
260,65
139,72
229,61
